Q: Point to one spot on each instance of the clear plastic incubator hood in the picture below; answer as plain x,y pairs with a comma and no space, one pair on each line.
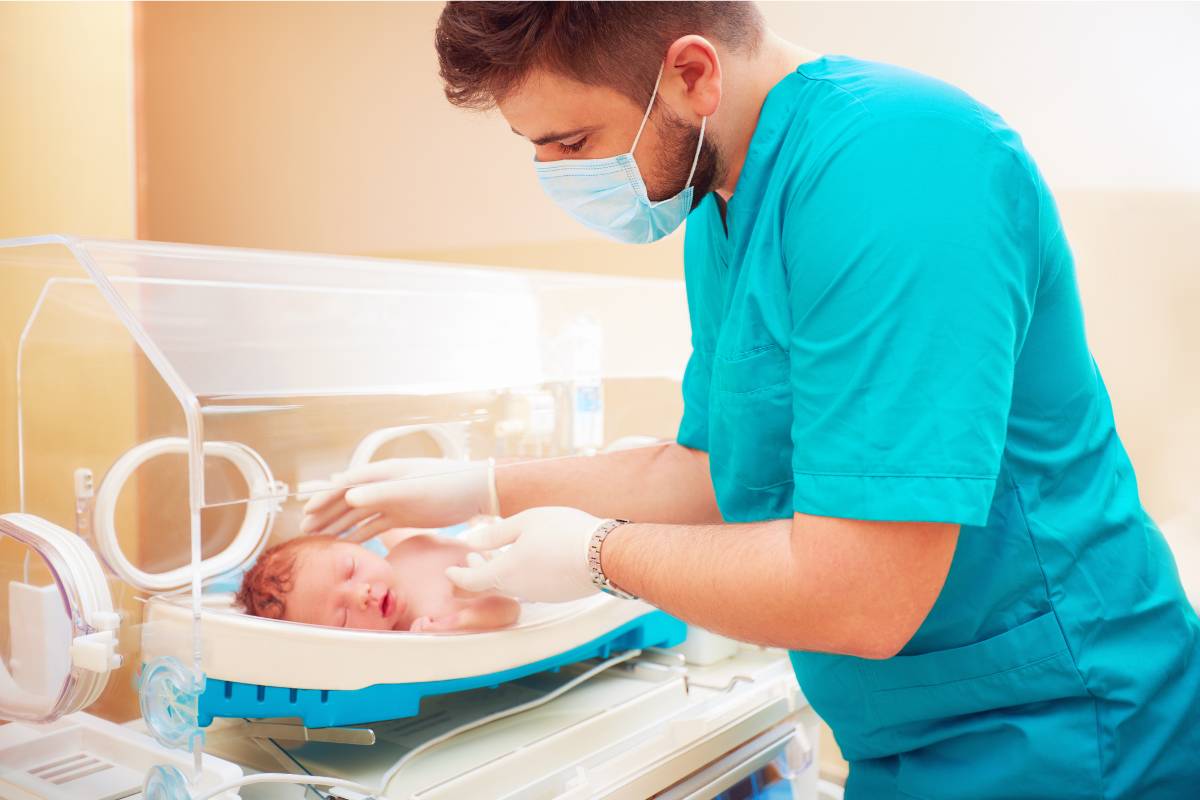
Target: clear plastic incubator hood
167,407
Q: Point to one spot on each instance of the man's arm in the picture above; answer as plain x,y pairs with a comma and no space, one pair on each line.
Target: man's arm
665,483
811,583
658,483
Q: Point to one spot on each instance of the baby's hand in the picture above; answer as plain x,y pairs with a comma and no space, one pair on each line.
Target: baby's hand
450,622
483,614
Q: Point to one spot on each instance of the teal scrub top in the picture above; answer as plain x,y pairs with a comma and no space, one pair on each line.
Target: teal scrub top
886,326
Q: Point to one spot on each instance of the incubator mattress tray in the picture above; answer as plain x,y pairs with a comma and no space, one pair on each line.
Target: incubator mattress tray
260,668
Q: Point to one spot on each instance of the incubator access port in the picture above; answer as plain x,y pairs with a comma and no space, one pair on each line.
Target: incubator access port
265,496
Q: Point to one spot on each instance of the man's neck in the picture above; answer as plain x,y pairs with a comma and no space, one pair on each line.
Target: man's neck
746,88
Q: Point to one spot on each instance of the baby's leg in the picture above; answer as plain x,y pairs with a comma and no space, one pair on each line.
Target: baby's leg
481,614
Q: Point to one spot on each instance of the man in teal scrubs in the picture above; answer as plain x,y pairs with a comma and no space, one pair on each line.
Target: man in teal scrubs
916,482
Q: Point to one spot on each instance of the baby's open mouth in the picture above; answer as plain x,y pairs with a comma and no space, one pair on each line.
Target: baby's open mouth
387,603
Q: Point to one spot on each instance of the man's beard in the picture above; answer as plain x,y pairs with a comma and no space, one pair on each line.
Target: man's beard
677,143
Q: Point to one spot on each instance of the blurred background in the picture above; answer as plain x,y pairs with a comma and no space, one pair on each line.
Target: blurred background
322,127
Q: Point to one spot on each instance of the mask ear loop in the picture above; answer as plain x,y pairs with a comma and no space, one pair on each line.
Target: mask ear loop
696,158
692,173
642,127
646,116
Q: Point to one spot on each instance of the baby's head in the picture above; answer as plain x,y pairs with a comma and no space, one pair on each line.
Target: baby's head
322,580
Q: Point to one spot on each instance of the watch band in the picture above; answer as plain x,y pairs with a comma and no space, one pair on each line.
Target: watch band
594,544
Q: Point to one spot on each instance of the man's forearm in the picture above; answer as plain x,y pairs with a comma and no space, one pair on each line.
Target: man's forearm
808,583
737,580
658,483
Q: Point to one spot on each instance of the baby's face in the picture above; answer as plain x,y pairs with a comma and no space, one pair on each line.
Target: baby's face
344,585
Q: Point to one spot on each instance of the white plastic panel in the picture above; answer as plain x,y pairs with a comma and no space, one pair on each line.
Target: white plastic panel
60,623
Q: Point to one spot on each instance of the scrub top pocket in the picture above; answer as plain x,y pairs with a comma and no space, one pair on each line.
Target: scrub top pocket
750,431
1026,664
1003,718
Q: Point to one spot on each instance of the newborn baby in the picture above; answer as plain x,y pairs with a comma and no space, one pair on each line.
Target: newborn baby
323,580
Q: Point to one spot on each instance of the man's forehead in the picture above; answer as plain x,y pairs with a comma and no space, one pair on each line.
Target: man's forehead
547,105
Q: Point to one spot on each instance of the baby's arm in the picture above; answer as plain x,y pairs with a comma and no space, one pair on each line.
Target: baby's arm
481,614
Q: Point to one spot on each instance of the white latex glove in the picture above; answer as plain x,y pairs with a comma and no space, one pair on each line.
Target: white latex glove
401,493
546,559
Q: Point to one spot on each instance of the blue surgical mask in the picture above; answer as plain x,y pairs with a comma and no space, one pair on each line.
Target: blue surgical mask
608,194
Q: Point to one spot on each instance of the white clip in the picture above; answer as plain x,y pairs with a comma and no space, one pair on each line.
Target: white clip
95,652
277,492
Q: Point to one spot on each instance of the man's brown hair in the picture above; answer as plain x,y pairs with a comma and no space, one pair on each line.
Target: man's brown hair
486,49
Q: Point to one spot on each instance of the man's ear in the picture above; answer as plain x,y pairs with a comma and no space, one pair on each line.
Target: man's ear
692,75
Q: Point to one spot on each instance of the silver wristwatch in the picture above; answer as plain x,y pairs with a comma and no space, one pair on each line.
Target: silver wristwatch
593,554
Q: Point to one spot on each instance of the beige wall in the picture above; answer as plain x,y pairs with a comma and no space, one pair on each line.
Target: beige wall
66,166
66,124
322,127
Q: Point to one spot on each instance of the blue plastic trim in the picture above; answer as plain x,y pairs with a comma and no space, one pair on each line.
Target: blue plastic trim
322,708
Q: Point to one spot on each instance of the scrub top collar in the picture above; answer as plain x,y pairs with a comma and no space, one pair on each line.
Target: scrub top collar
770,127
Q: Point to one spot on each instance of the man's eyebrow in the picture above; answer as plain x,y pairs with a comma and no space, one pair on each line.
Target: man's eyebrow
556,136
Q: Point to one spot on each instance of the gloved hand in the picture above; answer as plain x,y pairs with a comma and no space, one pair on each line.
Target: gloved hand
401,493
546,560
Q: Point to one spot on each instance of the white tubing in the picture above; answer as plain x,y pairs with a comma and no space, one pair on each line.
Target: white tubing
390,775
370,792
286,777
260,513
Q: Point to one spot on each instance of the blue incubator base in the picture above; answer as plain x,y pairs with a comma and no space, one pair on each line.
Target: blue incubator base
323,708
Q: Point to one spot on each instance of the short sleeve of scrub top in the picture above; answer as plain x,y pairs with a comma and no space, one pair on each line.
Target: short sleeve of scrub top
705,299
886,253
908,300
693,428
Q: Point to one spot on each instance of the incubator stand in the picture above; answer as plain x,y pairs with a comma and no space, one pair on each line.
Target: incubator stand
169,408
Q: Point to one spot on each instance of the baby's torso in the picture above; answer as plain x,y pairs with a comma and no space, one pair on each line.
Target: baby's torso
420,566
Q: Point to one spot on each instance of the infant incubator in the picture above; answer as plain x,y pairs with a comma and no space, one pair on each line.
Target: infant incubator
167,411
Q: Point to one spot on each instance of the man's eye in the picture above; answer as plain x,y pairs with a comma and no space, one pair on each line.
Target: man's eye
573,147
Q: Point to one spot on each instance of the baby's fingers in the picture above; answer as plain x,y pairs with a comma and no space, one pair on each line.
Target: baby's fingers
371,528
450,622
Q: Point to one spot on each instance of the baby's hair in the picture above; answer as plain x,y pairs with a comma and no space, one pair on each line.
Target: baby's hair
266,584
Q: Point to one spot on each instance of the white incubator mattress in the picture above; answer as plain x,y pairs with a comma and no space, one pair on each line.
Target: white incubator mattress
252,650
